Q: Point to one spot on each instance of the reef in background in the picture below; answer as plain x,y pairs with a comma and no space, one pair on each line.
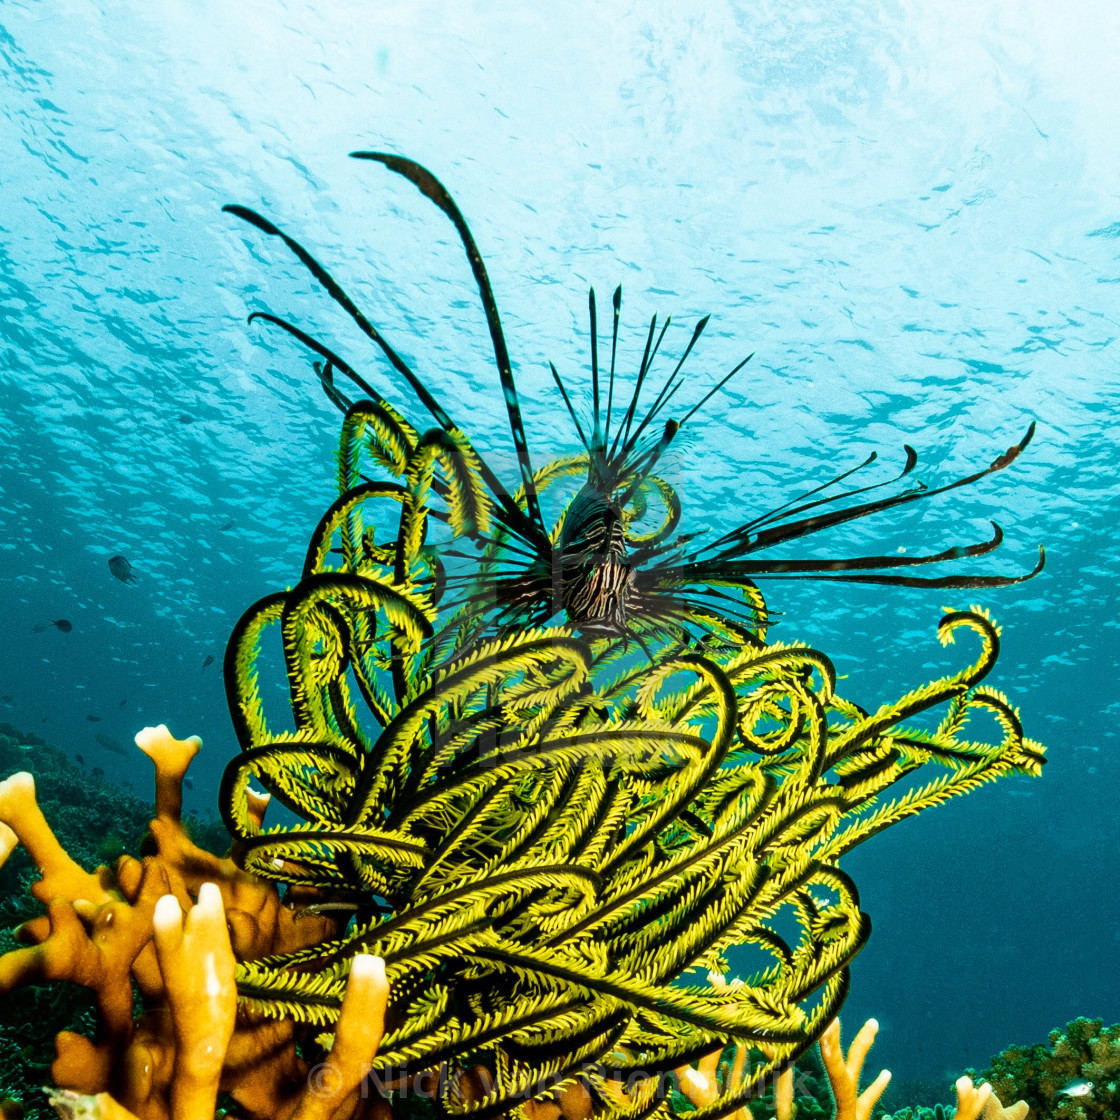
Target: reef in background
1075,1077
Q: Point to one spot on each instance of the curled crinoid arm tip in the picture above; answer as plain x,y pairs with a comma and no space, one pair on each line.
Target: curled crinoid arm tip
844,1073
361,1024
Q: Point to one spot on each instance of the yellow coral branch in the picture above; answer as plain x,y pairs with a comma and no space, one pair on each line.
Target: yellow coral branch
844,1072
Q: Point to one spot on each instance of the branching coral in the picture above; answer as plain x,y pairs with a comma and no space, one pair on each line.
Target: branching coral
709,1079
196,962
1075,1077
844,1071
98,932
844,1075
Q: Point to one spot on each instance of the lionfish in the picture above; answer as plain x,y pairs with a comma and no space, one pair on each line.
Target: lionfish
596,568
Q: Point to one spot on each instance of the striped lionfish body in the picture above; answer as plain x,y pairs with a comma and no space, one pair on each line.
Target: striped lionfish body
597,569
596,581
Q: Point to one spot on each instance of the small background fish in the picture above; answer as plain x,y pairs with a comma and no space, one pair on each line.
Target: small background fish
122,569
108,743
1078,1087
63,624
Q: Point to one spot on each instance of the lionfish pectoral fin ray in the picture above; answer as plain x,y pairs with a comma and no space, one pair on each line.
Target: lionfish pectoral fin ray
571,411
514,515
646,553
788,509
950,582
744,529
791,509
809,525
719,569
331,286
734,572
617,302
325,372
432,188
335,291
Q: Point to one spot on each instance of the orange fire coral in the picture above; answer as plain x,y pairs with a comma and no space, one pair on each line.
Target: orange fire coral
700,1083
125,925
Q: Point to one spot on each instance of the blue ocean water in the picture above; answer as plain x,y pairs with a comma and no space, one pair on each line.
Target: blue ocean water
910,212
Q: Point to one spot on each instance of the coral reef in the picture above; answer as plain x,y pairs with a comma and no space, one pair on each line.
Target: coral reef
973,1103
1075,1077
192,1040
99,933
95,822
711,1077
